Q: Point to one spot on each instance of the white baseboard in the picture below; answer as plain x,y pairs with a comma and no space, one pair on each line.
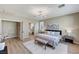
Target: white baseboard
10,37
76,42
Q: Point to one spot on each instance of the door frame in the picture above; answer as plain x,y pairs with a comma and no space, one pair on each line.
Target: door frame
20,35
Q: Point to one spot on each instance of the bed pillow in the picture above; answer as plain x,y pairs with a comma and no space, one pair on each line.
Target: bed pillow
55,33
48,32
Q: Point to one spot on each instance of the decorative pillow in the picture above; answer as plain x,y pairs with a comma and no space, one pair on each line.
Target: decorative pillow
53,33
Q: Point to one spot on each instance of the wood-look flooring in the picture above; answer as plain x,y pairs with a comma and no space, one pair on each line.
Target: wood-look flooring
73,48
15,46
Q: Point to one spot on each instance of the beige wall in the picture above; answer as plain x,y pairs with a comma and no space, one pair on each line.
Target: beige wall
67,22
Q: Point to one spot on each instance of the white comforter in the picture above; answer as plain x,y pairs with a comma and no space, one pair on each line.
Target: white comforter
52,40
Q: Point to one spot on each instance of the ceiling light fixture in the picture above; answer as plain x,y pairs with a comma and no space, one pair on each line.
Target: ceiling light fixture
40,12
41,15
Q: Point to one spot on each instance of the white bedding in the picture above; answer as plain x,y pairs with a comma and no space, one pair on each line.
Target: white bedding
52,40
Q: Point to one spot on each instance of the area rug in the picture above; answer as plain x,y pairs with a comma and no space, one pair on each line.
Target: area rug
37,49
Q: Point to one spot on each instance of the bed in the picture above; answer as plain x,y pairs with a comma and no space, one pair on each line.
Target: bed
53,37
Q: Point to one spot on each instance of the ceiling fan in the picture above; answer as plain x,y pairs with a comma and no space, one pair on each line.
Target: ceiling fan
62,5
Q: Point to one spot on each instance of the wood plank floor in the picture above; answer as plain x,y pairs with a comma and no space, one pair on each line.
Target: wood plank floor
73,48
15,46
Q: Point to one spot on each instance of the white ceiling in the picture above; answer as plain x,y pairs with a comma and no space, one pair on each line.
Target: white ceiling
30,11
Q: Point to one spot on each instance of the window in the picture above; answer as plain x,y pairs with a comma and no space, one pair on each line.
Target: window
41,26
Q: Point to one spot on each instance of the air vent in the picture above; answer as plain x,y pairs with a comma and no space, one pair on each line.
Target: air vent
62,5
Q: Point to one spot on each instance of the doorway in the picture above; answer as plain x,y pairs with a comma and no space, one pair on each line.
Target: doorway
31,28
10,29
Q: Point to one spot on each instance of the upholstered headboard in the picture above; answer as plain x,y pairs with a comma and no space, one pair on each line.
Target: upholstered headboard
56,31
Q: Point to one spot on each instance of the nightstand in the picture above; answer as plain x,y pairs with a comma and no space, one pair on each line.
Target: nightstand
68,38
